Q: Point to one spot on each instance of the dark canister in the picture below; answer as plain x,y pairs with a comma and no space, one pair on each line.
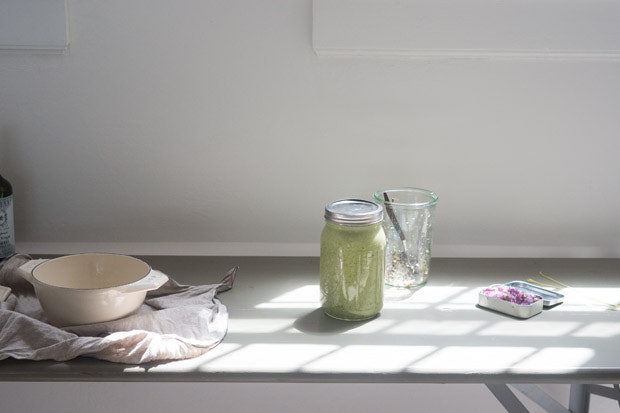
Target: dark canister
7,230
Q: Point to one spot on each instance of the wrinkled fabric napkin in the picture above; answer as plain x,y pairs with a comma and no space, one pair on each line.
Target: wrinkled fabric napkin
174,322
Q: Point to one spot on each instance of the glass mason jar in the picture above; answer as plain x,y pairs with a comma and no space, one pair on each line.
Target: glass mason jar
352,260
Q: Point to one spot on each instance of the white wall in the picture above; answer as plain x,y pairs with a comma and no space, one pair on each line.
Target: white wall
215,123
266,397
258,397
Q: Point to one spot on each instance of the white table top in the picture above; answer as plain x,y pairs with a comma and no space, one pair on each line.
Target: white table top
278,333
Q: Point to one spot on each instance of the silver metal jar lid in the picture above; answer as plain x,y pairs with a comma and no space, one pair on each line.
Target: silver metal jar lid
354,211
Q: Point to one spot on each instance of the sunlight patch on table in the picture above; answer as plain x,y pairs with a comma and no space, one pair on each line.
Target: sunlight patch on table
590,299
307,296
530,328
599,329
436,328
556,359
280,358
470,360
368,359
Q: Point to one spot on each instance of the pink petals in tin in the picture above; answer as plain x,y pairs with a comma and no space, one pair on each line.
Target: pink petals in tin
511,294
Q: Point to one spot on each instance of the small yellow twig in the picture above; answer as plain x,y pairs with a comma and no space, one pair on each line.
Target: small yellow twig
553,280
533,281
614,306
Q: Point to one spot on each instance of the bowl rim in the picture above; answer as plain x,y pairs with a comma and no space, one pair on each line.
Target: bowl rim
93,289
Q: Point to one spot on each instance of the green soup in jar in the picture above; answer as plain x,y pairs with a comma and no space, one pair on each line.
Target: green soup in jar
352,260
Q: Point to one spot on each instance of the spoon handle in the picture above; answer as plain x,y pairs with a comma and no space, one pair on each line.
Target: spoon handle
390,212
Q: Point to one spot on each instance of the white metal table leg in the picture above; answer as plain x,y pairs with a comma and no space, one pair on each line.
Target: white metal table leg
507,398
541,398
579,401
533,392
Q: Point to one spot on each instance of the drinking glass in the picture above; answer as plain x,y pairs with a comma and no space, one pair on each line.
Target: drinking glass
408,226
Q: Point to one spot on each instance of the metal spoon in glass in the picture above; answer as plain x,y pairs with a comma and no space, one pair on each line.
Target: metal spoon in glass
404,253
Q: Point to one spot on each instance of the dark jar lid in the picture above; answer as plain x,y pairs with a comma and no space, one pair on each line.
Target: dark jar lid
354,211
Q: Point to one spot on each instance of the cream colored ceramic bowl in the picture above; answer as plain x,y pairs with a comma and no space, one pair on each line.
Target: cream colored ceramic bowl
90,288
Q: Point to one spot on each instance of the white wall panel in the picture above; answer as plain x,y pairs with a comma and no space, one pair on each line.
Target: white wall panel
33,25
474,28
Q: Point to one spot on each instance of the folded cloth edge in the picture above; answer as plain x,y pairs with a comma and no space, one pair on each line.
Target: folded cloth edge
172,332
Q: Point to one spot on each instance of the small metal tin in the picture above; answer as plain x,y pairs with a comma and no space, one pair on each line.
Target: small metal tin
550,298
510,308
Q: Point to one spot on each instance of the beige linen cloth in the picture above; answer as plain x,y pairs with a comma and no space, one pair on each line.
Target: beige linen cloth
174,322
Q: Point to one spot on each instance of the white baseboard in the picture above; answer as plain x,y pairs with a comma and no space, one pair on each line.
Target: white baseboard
301,249
173,248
